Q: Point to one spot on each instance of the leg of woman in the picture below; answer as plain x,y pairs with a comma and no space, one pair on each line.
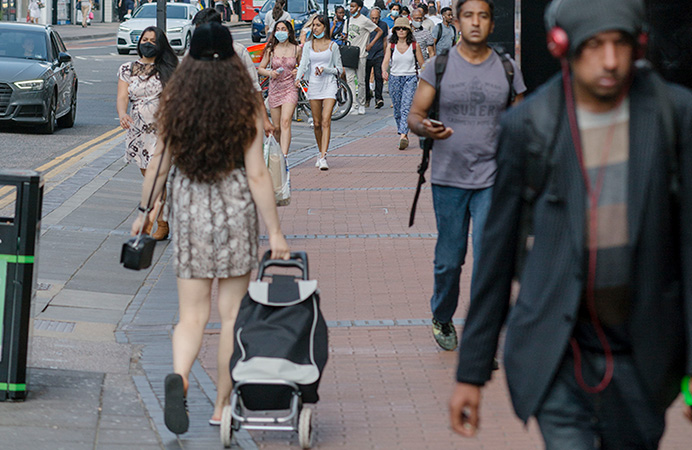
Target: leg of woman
194,299
327,108
286,117
231,292
316,108
406,99
276,120
395,88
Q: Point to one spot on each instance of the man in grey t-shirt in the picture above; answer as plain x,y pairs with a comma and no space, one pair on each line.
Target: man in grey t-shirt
474,91
444,33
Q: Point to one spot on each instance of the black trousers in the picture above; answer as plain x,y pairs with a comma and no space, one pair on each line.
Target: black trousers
376,65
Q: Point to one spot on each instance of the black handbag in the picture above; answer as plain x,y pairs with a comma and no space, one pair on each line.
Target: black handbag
350,54
138,251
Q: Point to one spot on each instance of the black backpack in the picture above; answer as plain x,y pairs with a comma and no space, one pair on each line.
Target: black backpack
434,113
438,33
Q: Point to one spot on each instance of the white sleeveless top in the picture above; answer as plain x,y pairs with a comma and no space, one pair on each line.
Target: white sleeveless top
403,64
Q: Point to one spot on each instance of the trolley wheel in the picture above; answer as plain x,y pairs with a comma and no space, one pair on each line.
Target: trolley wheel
305,428
226,428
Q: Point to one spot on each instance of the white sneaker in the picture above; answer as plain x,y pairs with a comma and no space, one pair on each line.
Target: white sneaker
354,110
317,161
361,110
323,164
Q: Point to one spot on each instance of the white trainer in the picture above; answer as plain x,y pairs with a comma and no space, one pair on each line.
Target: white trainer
361,110
317,161
323,164
354,110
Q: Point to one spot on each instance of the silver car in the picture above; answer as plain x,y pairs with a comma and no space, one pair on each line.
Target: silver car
178,26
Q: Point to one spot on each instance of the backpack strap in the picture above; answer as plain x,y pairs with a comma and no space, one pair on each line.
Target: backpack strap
509,73
437,32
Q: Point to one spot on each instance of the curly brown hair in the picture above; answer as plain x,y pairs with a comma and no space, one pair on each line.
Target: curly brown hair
207,117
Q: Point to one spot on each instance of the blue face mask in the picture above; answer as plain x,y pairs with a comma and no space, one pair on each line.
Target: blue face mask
394,13
281,35
319,36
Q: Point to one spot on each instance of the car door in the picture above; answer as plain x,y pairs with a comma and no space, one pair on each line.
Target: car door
70,73
60,72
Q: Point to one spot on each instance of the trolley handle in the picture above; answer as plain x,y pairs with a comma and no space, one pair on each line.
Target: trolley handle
298,260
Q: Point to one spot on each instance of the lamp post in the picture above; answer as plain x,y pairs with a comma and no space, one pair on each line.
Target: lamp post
161,14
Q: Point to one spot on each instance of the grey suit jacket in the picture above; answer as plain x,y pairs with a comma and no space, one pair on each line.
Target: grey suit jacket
541,322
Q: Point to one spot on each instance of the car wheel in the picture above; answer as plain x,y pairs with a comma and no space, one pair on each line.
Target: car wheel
49,126
67,121
256,38
124,51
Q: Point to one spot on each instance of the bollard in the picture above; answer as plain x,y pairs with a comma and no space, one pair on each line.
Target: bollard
18,244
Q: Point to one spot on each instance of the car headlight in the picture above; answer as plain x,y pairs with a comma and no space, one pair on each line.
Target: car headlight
298,22
175,30
257,19
124,28
34,85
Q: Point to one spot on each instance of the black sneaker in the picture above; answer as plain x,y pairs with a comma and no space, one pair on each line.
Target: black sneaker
445,334
175,413
379,104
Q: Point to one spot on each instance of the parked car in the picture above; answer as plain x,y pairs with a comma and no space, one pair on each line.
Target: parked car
38,82
178,23
300,11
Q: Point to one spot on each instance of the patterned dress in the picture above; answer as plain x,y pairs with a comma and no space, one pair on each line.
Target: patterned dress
215,228
144,92
282,89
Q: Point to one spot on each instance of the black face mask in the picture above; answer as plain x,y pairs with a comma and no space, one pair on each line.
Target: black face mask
149,50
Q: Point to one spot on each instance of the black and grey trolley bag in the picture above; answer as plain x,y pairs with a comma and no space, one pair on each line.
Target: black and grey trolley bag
279,354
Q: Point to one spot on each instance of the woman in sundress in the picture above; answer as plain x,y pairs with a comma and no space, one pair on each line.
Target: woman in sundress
140,84
321,62
282,55
219,181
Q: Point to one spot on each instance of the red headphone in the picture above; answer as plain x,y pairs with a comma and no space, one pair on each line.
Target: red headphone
558,41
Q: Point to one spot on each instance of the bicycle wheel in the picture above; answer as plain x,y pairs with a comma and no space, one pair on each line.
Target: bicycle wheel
303,102
344,100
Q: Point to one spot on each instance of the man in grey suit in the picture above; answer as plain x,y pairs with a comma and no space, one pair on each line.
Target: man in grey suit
599,340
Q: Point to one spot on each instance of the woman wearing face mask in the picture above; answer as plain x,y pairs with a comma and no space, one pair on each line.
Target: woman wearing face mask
321,61
140,84
394,10
282,54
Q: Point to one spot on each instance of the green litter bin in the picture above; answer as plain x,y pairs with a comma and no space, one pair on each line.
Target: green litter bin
19,232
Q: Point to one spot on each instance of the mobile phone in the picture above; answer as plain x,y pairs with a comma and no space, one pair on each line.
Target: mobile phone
279,70
437,123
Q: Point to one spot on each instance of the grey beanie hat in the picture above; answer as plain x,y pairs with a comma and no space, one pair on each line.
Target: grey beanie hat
583,19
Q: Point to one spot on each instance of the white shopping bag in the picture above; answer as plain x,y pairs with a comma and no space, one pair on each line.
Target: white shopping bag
278,170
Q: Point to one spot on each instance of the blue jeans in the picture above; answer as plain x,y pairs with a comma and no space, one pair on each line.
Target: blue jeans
454,208
619,417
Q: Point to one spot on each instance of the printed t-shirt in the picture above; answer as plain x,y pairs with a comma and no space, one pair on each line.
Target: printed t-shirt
359,29
473,96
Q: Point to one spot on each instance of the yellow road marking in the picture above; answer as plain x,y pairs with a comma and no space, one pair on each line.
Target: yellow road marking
64,161
64,156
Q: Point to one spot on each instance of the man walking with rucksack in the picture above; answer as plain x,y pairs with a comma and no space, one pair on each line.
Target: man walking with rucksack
475,86
445,34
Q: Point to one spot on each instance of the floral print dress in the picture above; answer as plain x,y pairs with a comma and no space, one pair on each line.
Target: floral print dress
144,92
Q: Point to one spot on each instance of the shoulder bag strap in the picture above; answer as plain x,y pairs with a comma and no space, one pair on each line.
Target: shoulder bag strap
434,113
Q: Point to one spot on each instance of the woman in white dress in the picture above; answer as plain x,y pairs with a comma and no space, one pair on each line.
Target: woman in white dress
321,61
34,11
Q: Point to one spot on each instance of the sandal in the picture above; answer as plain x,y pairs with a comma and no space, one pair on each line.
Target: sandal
175,412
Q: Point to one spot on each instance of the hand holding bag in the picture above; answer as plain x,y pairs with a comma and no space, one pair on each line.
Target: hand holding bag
350,54
138,251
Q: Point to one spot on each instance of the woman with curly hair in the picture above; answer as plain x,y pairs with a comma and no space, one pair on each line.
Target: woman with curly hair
282,54
405,57
220,178
140,84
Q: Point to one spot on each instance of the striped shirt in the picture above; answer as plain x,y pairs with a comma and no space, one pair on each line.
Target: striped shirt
601,133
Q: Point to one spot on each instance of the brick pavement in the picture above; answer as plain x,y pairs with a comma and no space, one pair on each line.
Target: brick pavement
387,383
